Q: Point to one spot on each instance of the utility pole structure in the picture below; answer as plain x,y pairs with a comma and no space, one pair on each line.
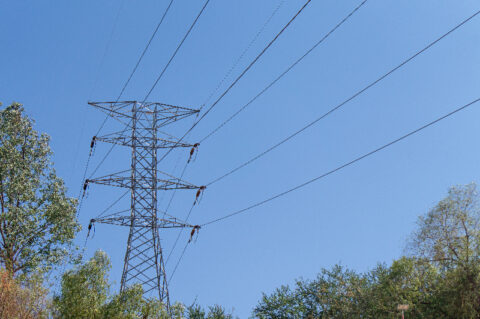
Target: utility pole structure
144,262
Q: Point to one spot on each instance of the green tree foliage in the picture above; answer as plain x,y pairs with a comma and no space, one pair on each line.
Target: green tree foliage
342,293
449,234
37,219
214,312
85,293
196,312
408,281
439,279
449,238
218,312
335,293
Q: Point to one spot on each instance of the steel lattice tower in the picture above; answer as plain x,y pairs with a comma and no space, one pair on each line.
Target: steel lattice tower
144,263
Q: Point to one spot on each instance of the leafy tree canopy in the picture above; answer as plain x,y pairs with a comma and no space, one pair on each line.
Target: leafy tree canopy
37,219
85,293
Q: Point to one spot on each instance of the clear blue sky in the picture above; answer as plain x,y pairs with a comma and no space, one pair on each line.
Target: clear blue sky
51,61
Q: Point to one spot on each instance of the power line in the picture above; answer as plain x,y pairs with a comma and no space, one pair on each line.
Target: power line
148,44
344,102
175,190
113,204
176,51
216,102
242,55
102,60
179,234
107,47
240,76
344,165
179,179
156,82
102,160
226,76
178,262
284,72
253,62
138,61
100,215
124,86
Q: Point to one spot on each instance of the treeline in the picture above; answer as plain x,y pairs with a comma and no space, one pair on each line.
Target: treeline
439,277
85,293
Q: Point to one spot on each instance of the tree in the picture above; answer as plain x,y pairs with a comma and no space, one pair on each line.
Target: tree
449,237
131,304
408,281
342,293
335,293
218,312
37,219
22,301
195,312
85,293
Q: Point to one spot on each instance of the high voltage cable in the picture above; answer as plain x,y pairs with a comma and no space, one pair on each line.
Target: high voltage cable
156,82
345,101
113,204
242,55
178,262
237,61
284,72
221,96
344,165
125,85
107,47
138,61
175,190
239,77
185,220
179,234
148,44
102,60
226,76
176,51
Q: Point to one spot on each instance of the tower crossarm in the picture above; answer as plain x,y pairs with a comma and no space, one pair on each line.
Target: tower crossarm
124,179
121,138
141,222
147,112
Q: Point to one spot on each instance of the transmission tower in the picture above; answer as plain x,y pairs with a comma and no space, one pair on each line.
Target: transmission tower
144,262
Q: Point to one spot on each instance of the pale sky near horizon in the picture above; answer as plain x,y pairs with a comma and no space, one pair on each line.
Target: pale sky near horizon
54,60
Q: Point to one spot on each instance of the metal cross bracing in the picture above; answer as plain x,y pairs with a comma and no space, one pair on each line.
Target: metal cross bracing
127,179
144,263
119,219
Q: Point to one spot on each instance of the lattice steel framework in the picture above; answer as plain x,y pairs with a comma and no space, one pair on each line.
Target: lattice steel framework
144,263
